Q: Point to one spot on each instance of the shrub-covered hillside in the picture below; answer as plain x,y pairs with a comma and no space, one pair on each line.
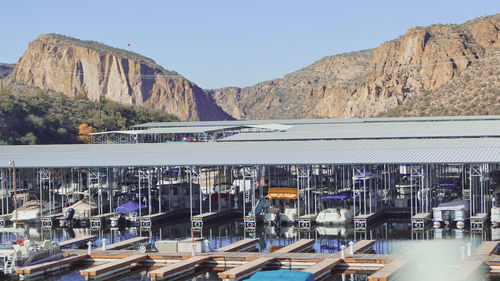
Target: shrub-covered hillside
34,116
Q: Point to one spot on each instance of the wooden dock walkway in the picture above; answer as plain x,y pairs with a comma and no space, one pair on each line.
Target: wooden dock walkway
147,221
126,243
478,222
240,246
49,221
420,221
472,270
246,269
178,268
361,246
486,249
111,268
389,271
197,221
77,241
298,246
238,265
46,267
99,221
361,222
323,267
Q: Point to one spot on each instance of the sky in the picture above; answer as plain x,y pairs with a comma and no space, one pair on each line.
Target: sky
233,42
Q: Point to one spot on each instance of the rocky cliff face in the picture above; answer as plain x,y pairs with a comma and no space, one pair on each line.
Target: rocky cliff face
428,61
94,70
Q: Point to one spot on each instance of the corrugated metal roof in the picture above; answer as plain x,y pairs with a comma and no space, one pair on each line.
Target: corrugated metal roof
378,130
277,127
171,130
315,121
381,151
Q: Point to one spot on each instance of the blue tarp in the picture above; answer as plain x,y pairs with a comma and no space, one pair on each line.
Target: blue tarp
282,275
130,207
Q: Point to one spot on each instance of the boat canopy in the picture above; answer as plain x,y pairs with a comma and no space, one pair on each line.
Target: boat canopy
448,185
129,207
282,275
344,195
282,193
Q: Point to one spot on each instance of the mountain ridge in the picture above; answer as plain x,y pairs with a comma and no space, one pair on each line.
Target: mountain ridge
426,71
373,82
86,68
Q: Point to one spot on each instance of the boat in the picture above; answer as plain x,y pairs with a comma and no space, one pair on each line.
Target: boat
281,208
30,211
495,209
282,275
337,209
26,252
82,208
406,188
448,190
337,231
128,213
449,212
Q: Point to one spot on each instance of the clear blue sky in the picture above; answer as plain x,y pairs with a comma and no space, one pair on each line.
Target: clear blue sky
229,43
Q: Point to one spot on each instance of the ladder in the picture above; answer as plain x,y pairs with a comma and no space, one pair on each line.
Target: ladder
9,266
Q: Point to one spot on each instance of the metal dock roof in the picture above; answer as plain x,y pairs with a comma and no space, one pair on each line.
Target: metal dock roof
383,130
314,121
374,151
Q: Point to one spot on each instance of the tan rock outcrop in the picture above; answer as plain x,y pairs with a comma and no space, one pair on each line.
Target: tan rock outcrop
371,82
76,67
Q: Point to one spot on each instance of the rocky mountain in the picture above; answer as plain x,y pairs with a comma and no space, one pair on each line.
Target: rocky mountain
434,70
96,71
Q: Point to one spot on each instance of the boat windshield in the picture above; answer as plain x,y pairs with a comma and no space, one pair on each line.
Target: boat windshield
334,201
497,199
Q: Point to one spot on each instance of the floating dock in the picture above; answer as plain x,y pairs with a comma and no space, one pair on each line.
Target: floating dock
112,268
244,245
197,221
361,222
147,221
389,271
76,242
303,245
237,264
31,271
126,244
420,221
306,222
478,222
361,246
246,269
97,222
323,267
179,268
50,221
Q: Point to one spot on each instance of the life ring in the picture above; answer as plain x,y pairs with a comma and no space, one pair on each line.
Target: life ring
20,241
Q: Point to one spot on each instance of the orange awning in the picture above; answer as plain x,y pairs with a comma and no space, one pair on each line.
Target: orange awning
282,193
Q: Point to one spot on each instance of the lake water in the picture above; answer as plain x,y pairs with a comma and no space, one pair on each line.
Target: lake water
392,238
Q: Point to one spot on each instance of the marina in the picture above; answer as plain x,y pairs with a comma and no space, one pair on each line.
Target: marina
326,197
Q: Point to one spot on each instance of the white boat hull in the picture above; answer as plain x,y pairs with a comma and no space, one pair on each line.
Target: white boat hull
333,216
288,216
